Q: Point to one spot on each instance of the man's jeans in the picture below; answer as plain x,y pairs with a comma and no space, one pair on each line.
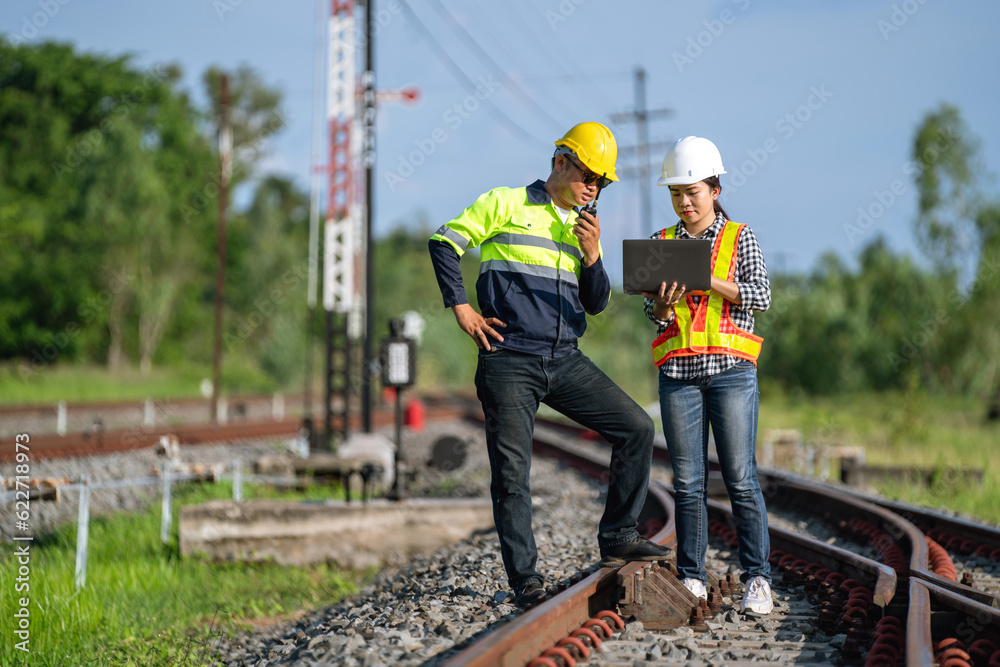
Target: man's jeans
729,402
510,386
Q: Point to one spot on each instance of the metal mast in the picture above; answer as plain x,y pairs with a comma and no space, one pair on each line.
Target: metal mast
340,235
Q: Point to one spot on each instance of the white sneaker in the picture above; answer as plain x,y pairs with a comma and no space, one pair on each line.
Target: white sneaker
697,588
757,597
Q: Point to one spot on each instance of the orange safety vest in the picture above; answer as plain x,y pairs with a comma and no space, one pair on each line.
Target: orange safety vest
707,328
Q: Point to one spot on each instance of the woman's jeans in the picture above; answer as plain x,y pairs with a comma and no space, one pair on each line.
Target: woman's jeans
728,401
510,386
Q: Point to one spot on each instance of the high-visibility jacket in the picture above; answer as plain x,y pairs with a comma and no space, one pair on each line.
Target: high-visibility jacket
706,327
531,273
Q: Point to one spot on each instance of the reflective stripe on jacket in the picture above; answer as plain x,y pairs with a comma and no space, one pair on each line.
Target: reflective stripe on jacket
706,327
531,273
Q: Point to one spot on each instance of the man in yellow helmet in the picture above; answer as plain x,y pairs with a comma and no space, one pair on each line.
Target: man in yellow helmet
540,275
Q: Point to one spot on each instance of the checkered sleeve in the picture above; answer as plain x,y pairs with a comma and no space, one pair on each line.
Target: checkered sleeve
751,273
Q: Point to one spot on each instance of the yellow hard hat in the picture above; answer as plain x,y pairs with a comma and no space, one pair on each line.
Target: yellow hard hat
594,145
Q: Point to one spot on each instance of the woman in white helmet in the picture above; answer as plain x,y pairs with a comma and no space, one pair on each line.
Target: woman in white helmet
707,354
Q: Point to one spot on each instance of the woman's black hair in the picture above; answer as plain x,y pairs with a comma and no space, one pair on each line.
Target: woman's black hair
713,182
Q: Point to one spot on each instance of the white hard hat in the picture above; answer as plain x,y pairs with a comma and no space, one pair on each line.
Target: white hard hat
690,160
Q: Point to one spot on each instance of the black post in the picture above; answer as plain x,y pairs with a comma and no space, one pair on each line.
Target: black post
328,412
368,120
398,489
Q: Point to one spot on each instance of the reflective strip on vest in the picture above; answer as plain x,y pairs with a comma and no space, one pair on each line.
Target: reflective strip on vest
535,255
528,269
707,328
449,235
509,239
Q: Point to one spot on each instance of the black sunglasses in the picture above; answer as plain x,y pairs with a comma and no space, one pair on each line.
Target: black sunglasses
589,176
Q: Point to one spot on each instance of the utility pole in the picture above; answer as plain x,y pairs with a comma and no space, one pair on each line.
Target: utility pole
225,171
368,160
640,116
314,197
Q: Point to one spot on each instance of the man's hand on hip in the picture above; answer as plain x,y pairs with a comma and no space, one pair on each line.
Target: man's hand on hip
477,326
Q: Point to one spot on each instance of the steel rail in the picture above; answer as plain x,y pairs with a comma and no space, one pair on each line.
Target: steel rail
953,612
919,652
812,498
879,577
891,518
126,439
183,401
542,627
963,535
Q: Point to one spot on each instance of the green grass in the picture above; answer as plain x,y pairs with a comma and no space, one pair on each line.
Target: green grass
94,383
76,383
145,605
904,429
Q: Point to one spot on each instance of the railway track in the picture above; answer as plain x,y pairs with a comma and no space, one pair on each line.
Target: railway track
834,606
101,441
858,580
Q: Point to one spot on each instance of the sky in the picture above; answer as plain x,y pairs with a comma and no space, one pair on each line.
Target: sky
813,105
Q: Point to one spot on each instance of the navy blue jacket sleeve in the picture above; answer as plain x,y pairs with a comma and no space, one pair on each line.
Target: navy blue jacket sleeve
595,287
448,271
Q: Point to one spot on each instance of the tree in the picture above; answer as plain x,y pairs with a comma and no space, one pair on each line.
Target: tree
945,163
266,275
102,165
960,229
254,115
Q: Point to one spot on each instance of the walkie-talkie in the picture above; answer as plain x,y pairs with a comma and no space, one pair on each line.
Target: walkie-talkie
591,208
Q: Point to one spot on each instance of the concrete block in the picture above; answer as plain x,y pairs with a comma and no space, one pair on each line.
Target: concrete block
274,466
353,536
372,446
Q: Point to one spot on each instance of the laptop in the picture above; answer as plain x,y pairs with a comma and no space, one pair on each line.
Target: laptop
648,262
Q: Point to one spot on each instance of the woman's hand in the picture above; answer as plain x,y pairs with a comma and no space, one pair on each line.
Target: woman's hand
665,298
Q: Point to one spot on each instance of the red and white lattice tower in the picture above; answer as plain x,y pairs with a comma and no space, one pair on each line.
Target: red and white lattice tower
342,256
342,241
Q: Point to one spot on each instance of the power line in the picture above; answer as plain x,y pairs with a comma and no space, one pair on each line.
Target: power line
557,104
640,115
556,55
464,79
474,44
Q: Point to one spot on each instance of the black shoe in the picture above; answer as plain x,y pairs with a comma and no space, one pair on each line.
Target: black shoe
639,548
529,594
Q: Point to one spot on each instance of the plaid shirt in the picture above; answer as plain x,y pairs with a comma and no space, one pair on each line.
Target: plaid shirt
755,292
